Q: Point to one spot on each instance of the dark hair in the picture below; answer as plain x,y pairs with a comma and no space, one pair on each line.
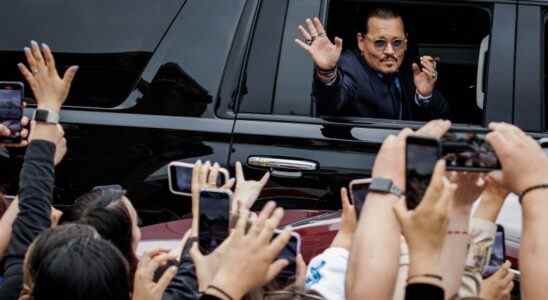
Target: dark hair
72,262
382,12
103,210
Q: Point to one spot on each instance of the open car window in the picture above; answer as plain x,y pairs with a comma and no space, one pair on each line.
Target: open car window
457,34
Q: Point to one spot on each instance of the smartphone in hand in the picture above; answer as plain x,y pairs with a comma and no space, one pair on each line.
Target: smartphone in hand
468,151
213,226
421,156
358,191
289,252
180,178
11,109
498,253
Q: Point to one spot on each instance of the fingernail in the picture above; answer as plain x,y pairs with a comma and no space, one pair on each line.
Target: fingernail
26,49
20,65
44,45
34,43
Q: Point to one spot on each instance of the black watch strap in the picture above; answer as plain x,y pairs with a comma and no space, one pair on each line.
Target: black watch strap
385,186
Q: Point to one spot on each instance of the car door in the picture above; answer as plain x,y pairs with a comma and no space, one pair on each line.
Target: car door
145,93
310,158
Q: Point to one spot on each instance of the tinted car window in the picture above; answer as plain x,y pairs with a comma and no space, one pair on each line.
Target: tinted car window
111,41
456,38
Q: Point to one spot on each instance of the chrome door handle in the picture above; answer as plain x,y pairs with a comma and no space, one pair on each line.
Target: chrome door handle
282,163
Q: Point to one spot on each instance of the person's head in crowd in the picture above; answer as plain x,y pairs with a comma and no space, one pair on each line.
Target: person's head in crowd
73,262
382,40
110,212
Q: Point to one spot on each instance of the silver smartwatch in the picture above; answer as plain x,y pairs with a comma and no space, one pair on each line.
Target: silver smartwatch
384,186
45,116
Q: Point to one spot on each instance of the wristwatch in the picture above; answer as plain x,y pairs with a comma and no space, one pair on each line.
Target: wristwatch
45,116
384,186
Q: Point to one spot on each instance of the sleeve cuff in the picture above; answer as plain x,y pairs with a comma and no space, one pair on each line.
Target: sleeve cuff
422,100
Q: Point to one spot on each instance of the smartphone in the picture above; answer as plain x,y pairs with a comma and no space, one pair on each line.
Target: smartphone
11,109
421,156
214,218
468,151
358,191
289,252
180,178
498,253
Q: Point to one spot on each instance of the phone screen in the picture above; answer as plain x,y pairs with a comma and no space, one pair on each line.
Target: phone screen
358,193
181,178
214,219
468,152
420,159
498,253
289,252
11,109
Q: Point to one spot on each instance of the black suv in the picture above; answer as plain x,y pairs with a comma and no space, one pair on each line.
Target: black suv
223,80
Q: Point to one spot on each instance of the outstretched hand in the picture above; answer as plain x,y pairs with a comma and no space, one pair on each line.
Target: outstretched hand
425,75
324,53
48,87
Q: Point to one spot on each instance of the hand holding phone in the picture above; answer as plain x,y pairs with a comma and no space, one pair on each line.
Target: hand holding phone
214,218
289,252
421,156
180,178
11,110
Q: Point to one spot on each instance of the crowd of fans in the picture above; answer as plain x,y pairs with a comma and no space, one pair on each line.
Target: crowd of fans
436,251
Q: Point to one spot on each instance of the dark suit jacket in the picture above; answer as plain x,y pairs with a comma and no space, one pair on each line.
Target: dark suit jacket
360,92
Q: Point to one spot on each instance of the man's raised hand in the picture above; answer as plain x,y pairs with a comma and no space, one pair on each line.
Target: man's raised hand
324,53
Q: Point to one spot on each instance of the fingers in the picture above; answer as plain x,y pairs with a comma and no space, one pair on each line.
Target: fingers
196,254
271,224
435,189
499,143
69,75
241,224
300,277
280,242
416,69
434,129
318,25
305,33
25,121
259,223
28,76
229,184
37,53
275,269
204,172
239,173
265,178
30,60
311,28
4,130
213,174
448,194
303,45
166,278
338,44
50,61
347,208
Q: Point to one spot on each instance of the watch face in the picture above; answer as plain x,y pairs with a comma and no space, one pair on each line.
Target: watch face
381,184
41,115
